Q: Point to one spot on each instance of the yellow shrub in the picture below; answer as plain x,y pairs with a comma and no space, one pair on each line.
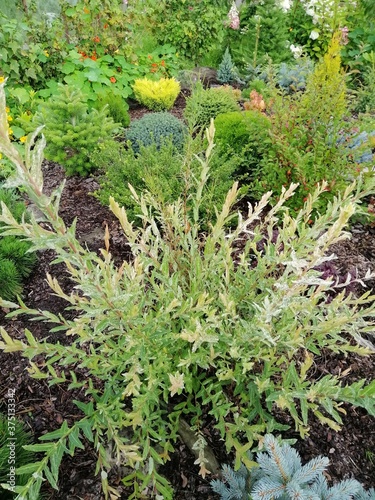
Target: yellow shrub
325,97
156,95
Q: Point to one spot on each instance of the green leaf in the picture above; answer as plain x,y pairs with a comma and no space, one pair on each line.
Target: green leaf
74,441
68,68
39,447
51,478
31,73
92,76
28,469
21,94
18,131
87,408
85,426
55,459
59,433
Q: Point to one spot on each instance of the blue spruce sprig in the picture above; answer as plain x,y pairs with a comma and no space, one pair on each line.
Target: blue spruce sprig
281,475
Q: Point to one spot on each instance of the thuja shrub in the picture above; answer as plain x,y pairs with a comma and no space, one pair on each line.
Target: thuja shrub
204,104
156,128
245,135
72,130
157,95
188,316
278,473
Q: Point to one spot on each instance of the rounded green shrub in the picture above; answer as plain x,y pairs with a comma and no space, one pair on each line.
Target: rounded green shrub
204,104
156,128
244,134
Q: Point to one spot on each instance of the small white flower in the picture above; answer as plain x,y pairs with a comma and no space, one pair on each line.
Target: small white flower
285,5
314,35
297,50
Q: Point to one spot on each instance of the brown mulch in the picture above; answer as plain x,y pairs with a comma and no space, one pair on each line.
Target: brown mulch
44,408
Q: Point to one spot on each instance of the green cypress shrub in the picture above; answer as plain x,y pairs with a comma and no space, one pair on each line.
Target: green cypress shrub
243,135
156,128
204,104
10,279
17,250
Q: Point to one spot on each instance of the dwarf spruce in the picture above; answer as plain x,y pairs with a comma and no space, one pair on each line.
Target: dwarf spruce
279,473
229,320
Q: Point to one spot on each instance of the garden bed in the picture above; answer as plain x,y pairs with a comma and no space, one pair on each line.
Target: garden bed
43,408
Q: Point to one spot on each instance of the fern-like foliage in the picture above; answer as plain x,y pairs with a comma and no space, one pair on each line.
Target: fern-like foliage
281,475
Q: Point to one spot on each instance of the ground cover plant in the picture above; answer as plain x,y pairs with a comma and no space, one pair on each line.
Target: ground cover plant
205,323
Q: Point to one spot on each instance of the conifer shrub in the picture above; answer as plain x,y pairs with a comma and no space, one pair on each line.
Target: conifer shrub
244,134
226,72
117,107
189,315
157,169
72,131
14,431
278,473
156,128
16,260
17,250
10,279
164,172
305,131
157,95
292,77
204,104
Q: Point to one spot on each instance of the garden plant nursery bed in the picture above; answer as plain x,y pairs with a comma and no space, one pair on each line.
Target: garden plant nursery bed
351,451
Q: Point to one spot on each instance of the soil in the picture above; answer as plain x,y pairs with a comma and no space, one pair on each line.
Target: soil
351,451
